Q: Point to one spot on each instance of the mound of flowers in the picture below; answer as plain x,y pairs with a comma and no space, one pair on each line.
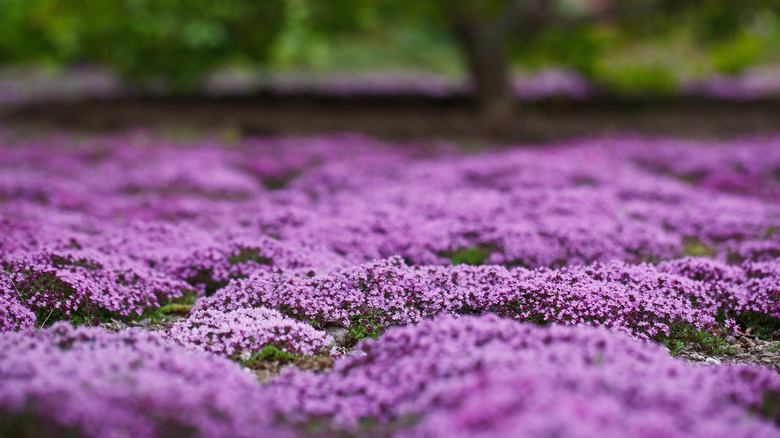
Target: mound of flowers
248,331
646,300
14,315
467,376
67,381
493,377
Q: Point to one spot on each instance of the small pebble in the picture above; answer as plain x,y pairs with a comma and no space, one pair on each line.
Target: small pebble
244,356
339,334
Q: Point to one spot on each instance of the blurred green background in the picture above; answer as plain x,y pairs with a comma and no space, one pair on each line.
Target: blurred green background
646,46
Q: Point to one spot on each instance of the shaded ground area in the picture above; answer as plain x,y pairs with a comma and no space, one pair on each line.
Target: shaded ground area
408,116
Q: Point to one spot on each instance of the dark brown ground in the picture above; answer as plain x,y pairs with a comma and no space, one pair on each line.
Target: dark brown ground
404,117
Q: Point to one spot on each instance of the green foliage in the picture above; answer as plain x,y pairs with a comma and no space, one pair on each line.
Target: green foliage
269,352
579,48
695,248
28,423
333,17
440,13
685,335
717,20
770,408
475,255
397,48
247,255
365,326
175,40
175,306
735,55
642,80
763,325
298,38
674,346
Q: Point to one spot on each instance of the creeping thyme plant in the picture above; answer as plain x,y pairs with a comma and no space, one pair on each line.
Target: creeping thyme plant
513,292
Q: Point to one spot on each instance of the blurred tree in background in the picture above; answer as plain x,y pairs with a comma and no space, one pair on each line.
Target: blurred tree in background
581,33
181,41
178,40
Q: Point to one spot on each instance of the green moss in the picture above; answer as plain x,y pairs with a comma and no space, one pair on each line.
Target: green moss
168,308
249,255
175,308
693,247
476,255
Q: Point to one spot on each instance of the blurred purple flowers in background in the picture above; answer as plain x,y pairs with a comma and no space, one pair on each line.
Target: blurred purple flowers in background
28,86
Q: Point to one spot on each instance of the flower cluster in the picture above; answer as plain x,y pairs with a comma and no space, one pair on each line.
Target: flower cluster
14,315
120,224
87,382
492,377
248,331
746,167
463,376
749,287
84,282
640,299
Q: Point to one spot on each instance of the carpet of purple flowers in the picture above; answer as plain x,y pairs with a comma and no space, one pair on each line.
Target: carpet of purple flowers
513,292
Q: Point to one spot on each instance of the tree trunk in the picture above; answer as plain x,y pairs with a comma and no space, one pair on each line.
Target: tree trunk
484,47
